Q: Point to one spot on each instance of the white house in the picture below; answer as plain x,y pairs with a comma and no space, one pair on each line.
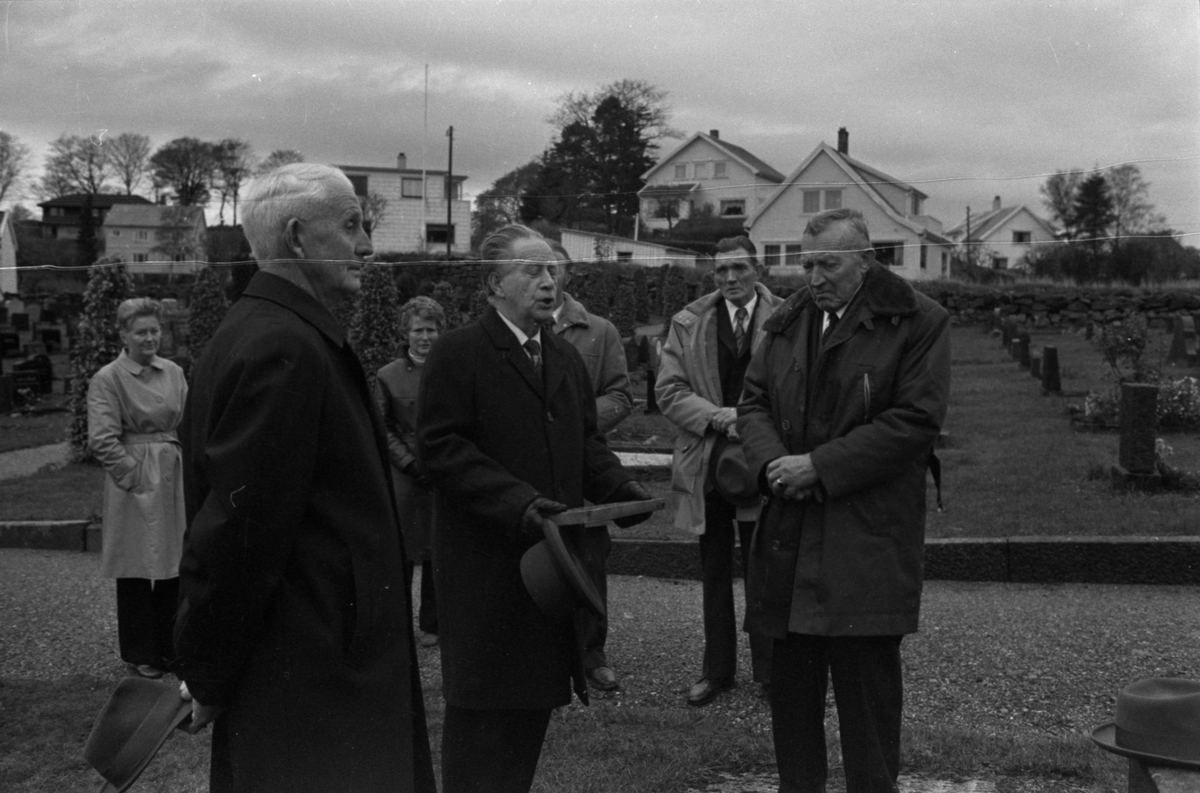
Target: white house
705,171
8,255
156,238
1004,236
905,239
414,218
587,246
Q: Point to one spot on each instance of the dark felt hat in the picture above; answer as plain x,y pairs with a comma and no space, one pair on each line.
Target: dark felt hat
556,579
1158,721
730,475
134,723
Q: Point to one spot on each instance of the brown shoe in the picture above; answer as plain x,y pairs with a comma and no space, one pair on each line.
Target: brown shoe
602,678
705,691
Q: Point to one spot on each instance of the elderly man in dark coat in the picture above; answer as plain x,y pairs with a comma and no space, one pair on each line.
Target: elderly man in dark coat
294,630
507,433
841,408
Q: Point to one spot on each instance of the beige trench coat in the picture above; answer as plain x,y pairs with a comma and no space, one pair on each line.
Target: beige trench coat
688,391
132,414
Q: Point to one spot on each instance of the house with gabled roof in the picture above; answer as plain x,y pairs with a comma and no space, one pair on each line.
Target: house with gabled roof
1003,237
156,238
62,216
705,171
907,241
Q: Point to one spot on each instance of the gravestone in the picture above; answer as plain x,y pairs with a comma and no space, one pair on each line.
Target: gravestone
1183,340
651,401
1139,426
10,342
1035,366
1051,382
20,322
631,355
8,389
1023,350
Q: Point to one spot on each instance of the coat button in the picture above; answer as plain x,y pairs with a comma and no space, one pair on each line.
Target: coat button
549,416
775,545
787,425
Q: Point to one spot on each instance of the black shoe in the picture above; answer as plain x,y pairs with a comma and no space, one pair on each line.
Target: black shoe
707,690
146,671
602,678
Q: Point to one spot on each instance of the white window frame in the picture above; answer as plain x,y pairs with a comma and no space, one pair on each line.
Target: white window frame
833,199
729,203
720,170
141,235
811,202
681,170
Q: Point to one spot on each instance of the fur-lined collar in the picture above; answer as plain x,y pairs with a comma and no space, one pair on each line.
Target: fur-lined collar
689,313
884,294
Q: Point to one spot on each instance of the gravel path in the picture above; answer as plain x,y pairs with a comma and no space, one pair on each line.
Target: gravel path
990,657
24,462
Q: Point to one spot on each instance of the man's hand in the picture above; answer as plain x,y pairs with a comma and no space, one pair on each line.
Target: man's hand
725,421
632,490
538,510
202,715
793,476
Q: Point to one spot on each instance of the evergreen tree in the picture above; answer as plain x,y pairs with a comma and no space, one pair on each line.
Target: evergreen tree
99,343
641,295
375,332
207,308
1094,212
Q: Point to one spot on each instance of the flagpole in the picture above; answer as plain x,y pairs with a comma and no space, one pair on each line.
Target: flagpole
424,160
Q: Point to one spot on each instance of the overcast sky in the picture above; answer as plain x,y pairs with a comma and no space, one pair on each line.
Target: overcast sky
966,100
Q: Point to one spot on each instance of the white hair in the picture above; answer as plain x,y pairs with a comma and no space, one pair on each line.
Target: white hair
273,199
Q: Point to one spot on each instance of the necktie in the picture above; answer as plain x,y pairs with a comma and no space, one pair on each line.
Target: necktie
739,330
535,354
833,318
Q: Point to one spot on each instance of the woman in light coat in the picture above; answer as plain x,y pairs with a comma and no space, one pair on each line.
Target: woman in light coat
421,320
134,405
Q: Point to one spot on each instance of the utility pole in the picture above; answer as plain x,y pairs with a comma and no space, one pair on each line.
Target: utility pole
449,193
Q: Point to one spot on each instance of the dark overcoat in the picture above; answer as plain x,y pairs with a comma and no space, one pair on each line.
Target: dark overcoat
492,437
396,394
293,611
868,408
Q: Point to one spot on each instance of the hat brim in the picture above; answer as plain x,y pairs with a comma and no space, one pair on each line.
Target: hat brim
1105,736
159,719
567,567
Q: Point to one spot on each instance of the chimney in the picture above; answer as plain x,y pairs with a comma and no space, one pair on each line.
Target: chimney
843,141
996,204
714,133
401,162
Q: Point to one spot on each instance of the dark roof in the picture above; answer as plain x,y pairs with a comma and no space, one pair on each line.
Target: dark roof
404,171
99,200
760,167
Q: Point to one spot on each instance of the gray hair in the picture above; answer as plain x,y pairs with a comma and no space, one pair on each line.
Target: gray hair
422,307
860,236
496,251
135,308
273,199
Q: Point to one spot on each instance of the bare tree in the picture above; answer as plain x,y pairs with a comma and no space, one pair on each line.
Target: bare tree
277,158
14,159
374,208
233,159
646,101
76,164
129,156
1058,194
187,165
1131,202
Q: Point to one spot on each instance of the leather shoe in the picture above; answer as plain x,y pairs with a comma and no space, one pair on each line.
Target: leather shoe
146,670
705,691
603,678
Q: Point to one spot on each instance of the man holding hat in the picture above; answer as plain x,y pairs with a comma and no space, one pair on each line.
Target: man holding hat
507,433
700,376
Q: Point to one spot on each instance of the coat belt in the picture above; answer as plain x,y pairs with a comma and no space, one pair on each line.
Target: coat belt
130,438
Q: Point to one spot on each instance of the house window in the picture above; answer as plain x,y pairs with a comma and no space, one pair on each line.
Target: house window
360,184
719,170
141,235
179,257
999,263
1022,237
734,207
456,191
770,255
924,256
889,254
681,170
700,170
945,262
916,204
791,254
439,233
624,256
116,232
139,257
812,202
410,188
833,199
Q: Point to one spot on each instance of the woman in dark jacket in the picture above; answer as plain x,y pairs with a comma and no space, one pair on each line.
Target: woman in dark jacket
421,320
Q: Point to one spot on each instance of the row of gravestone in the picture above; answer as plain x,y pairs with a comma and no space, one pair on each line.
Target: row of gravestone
1137,451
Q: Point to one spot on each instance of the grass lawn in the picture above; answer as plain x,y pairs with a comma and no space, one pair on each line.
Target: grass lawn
25,430
73,492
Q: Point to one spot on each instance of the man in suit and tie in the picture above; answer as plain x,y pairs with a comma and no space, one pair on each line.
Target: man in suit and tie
508,436
700,379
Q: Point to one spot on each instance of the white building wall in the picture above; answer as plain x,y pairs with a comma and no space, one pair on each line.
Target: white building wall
1000,242
124,242
700,158
8,256
400,230
585,247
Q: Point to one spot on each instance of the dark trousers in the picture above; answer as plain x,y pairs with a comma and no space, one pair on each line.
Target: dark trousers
146,620
720,621
491,751
427,613
868,691
593,630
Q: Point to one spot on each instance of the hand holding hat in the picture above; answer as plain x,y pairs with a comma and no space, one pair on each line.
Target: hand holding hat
632,490
534,520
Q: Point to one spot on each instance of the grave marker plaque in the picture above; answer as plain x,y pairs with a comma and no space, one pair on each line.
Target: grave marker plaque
1051,383
1183,340
1139,425
1023,350
1035,366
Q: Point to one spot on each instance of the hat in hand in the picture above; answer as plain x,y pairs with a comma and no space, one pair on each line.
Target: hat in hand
730,474
1158,721
134,723
555,577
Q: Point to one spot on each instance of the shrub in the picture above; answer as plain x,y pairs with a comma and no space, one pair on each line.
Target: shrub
206,309
99,342
622,315
1123,346
375,331
641,295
